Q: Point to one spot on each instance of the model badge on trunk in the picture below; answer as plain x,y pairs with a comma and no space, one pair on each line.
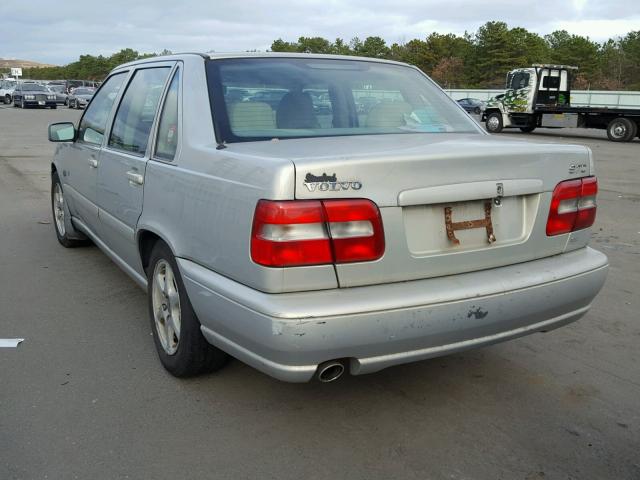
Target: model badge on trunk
328,183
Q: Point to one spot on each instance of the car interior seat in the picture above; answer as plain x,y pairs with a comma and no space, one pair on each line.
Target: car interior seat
387,115
251,116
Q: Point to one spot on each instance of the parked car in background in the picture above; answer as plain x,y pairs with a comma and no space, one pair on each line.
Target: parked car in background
309,249
270,97
473,105
236,95
6,91
79,97
71,84
59,91
321,102
31,94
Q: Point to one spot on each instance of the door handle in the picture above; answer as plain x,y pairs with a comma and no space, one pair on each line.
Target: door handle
135,178
93,163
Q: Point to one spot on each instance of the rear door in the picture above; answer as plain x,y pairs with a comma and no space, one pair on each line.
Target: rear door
123,161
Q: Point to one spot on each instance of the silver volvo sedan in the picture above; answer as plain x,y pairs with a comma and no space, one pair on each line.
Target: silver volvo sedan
313,215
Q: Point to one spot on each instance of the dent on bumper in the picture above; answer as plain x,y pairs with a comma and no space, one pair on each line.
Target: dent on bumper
288,335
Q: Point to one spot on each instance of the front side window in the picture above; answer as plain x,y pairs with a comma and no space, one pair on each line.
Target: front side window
167,138
137,110
94,121
520,80
265,98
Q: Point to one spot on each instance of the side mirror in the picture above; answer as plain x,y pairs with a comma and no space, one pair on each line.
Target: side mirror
62,132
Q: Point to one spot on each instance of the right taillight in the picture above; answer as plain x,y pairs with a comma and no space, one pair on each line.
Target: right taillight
312,232
573,206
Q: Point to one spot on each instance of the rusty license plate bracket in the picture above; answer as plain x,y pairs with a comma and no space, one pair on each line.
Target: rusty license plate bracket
469,224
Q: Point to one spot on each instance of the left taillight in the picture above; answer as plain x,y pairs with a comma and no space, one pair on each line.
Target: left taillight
312,232
573,206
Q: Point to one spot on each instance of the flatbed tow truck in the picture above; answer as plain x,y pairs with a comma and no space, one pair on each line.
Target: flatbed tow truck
540,96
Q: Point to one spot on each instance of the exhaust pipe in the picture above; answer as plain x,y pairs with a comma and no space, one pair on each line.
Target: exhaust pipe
330,371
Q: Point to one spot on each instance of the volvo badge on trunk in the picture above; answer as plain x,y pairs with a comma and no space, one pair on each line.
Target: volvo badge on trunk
329,183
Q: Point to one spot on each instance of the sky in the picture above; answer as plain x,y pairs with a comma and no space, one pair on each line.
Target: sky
59,32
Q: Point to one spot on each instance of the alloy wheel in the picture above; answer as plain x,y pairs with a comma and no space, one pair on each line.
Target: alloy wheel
58,209
166,306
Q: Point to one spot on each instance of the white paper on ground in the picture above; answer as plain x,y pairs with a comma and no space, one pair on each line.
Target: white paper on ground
10,342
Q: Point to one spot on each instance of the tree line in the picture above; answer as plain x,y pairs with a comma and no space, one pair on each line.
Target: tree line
482,59
472,60
88,67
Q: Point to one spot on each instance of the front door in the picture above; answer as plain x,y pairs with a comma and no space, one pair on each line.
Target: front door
81,162
123,161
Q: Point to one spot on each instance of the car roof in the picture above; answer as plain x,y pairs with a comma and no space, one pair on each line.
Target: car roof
218,56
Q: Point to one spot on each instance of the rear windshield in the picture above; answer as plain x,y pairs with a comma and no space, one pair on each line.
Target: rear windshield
266,98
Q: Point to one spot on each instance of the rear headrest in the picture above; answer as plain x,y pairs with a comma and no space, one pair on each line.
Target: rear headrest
296,111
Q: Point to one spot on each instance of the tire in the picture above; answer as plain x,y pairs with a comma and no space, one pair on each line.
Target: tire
493,123
15,103
621,129
54,107
60,211
477,111
528,129
184,353
7,99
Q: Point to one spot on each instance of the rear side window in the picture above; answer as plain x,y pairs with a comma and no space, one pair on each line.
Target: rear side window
167,139
137,110
551,82
94,121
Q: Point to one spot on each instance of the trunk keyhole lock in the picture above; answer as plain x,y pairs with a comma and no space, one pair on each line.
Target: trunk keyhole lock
497,201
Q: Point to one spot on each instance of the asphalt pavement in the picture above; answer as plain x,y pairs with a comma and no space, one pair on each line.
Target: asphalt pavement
84,396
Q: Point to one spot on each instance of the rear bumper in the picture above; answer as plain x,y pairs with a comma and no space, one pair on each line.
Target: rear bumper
374,327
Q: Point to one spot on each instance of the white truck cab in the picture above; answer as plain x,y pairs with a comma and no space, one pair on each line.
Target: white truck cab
540,96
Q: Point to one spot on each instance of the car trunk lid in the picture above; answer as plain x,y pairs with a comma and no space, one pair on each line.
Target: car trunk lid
450,203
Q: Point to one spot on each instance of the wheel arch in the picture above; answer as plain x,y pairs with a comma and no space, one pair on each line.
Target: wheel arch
146,238
491,110
488,111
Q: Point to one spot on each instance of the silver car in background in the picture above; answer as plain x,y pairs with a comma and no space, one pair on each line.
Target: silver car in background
80,97
315,239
